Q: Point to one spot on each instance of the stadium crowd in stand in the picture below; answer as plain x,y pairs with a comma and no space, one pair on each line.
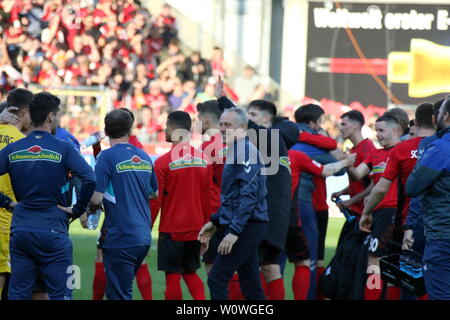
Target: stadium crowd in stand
119,45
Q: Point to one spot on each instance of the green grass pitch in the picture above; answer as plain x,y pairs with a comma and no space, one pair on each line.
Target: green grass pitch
84,252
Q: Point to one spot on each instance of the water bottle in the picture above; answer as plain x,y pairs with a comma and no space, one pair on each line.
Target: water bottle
93,139
93,219
344,211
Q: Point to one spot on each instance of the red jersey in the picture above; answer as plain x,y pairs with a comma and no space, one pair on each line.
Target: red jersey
362,150
401,163
376,161
215,149
318,140
300,162
184,190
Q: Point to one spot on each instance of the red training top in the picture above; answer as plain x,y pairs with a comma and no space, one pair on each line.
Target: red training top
319,197
184,190
401,163
300,162
362,150
376,161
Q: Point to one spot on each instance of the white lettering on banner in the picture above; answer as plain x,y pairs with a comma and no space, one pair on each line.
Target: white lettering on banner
409,21
443,21
342,18
373,19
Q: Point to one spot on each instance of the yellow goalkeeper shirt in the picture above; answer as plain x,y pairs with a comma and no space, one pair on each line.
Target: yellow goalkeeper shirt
8,134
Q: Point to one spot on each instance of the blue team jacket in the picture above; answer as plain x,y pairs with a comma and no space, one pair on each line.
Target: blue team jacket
432,178
38,166
243,194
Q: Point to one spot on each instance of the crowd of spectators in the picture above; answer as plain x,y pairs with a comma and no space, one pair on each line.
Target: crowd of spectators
118,45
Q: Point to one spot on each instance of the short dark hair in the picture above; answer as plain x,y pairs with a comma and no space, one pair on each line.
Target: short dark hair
307,113
446,103
118,123
264,105
41,106
180,120
210,107
129,111
424,116
436,107
401,116
390,119
355,115
20,98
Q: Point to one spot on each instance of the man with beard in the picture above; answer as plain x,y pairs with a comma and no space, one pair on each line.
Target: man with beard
432,176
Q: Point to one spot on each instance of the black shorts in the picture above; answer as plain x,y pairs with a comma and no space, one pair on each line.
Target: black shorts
177,256
296,244
268,254
101,236
322,225
210,255
378,241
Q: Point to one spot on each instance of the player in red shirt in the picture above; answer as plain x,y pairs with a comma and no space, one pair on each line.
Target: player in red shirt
388,133
350,127
296,244
184,184
400,164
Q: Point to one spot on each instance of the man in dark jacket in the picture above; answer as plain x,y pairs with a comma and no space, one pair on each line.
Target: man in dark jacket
274,136
432,177
242,218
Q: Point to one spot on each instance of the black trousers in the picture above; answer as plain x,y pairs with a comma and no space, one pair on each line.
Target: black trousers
244,259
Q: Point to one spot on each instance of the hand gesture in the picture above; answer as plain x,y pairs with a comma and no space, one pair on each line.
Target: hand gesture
226,245
366,223
351,159
8,117
84,220
206,233
408,240
336,195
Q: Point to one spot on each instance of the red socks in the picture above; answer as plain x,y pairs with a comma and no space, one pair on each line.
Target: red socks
99,283
392,293
301,282
195,285
319,293
424,297
173,286
275,289
144,282
234,289
374,286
